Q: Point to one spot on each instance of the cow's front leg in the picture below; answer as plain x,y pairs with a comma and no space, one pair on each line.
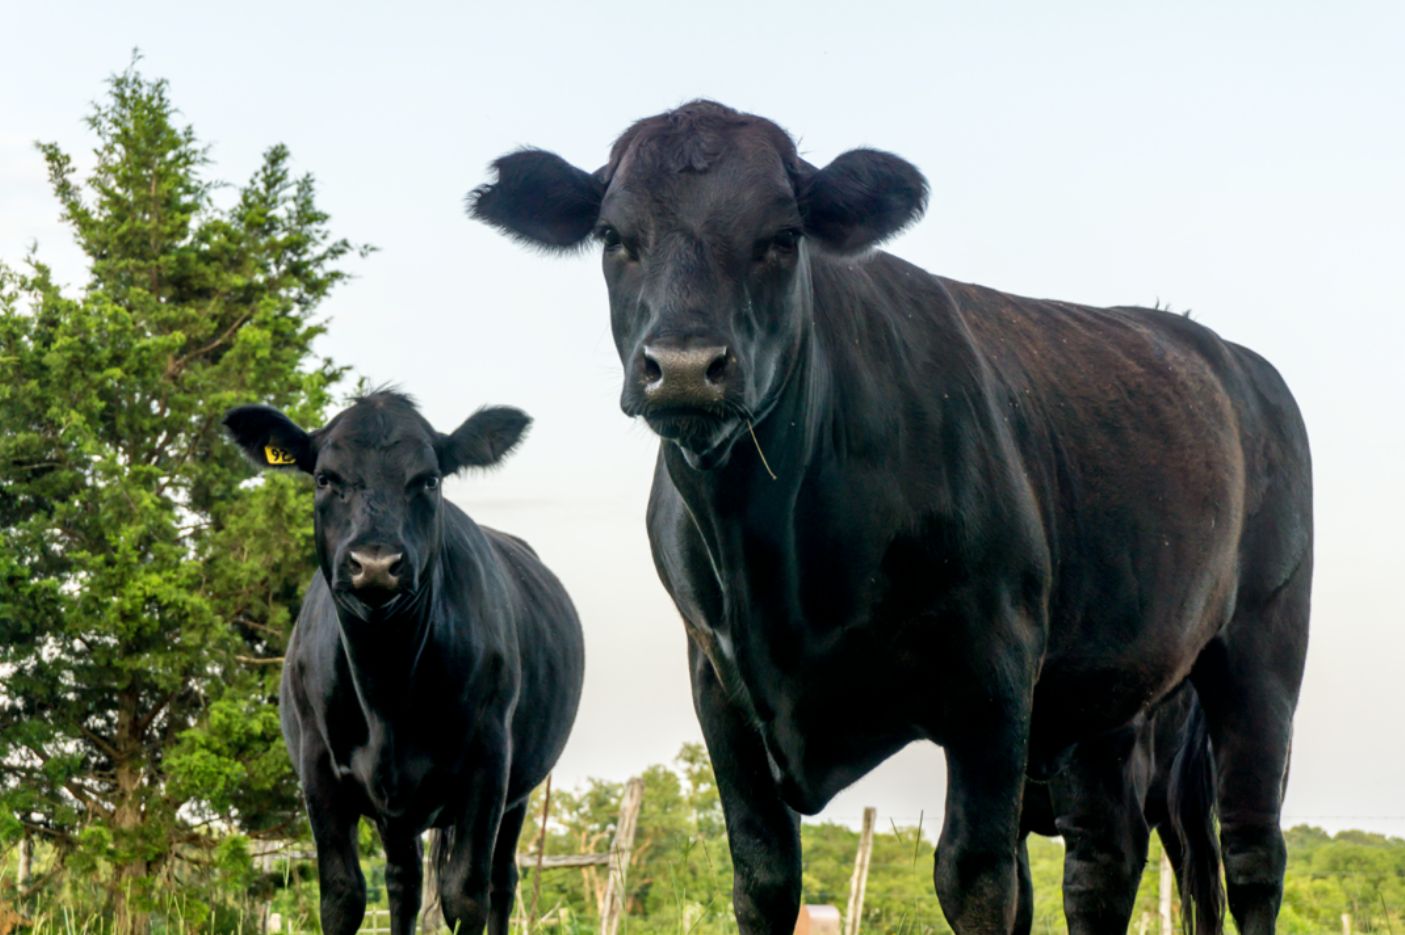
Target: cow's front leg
977,865
465,871
502,889
763,833
988,689
332,812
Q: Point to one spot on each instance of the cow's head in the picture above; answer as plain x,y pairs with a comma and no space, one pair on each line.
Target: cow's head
377,468
705,218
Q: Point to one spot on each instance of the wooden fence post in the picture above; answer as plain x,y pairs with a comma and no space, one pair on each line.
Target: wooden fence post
1166,928
431,916
541,852
854,911
620,851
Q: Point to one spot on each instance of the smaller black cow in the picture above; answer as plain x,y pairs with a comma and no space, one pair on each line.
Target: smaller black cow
434,672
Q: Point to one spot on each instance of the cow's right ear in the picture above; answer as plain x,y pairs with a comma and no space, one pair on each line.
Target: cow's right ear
270,439
484,439
540,199
860,199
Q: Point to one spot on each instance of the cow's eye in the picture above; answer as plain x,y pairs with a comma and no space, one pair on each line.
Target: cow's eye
780,244
431,482
323,481
610,238
786,241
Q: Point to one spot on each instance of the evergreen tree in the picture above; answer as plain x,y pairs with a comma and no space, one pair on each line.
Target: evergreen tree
146,585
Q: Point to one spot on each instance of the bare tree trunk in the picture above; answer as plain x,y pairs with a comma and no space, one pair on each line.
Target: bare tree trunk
127,817
26,867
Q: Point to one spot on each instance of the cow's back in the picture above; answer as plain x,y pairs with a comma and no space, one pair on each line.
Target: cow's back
1171,471
551,653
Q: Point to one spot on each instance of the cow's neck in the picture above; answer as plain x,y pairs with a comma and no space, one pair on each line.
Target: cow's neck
829,426
385,653
745,510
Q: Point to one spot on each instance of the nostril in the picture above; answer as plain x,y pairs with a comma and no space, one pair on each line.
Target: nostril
653,373
717,368
396,566
355,567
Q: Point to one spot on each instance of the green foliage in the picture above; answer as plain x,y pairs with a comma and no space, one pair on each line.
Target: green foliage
679,878
144,580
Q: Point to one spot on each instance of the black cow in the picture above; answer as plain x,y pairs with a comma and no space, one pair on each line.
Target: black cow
893,506
434,672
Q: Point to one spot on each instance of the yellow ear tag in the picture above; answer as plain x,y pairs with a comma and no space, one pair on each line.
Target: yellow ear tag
276,455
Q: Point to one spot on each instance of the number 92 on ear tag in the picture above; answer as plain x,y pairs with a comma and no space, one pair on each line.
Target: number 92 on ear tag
276,455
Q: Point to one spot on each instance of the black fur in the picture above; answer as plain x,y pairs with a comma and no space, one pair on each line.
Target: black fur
540,199
861,199
253,428
1191,802
434,672
1009,526
484,439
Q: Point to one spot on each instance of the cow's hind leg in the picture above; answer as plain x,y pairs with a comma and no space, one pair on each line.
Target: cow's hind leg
502,887
466,863
1099,815
1036,817
1024,911
1247,680
404,871
762,832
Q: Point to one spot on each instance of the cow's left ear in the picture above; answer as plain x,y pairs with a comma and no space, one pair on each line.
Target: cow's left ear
860,199
484,439
270,439
540,199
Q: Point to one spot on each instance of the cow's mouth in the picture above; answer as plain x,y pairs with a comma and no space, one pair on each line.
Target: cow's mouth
373,606
705,433
679,424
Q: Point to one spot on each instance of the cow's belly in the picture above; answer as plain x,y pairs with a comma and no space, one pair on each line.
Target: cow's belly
1120,658
808,774
836,720
406,786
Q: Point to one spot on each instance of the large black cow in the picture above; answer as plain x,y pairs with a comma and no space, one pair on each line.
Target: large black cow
1002,524
434,672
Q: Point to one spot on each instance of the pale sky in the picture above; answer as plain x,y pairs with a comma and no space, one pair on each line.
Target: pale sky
1247,164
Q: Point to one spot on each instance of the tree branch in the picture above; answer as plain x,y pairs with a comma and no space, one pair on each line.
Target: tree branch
99,741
